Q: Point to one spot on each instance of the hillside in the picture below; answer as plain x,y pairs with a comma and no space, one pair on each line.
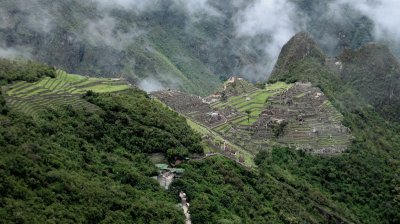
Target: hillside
126,111
303,148
375,73
72,164
169,44
369,75
350,178
299,47
343,182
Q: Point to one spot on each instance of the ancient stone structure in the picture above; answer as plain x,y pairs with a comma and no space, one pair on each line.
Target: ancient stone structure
299,116
166,175
195,107
313,124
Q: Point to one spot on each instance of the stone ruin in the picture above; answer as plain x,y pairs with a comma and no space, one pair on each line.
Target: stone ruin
194,107
233,87
300,117
167,175
312,123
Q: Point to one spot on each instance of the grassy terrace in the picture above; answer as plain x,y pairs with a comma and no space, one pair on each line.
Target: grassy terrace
253,102
296,134
65,89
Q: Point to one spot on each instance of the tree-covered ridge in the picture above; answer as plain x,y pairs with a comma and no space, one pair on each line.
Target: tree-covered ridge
30,71
72,165
140,124
222,191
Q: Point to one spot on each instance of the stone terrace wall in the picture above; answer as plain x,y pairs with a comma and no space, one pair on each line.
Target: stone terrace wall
312,123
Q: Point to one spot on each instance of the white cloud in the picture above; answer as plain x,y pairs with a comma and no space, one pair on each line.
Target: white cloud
195,7
14,53
104,32
150,84
274,18
384,13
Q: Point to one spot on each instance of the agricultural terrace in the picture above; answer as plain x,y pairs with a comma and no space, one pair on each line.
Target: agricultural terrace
252,102
64,89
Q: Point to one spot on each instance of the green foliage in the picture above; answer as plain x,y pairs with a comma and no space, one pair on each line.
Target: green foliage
177,153
373,71
79,166
23,71
260,85
278,128
3,106
144,125
224,98
220,191
248,112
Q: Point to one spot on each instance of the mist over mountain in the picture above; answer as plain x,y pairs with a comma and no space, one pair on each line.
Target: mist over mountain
199,111
179,43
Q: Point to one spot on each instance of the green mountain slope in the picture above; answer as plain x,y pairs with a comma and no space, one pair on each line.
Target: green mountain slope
167,42
314,68
365,170
73,165
375,73
224,192
70,164
361,184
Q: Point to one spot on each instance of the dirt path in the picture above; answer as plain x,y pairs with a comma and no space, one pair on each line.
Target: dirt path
185,207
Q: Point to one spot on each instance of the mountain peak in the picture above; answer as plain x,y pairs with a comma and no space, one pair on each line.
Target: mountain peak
300,46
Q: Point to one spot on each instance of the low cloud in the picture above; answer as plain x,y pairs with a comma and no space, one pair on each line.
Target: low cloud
274,18
384,13
137,5
158,82
104,31
14,53
150,85
200,7
260,25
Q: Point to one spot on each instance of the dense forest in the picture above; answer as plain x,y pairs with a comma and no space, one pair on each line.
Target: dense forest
75,166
